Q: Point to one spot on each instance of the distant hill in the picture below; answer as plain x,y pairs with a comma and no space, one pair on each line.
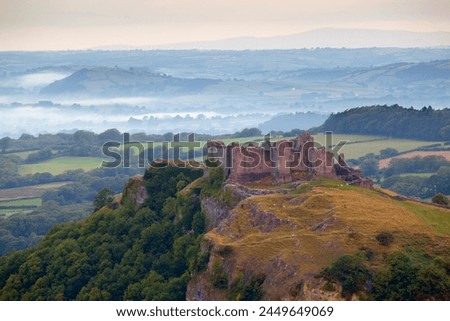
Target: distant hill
286,122
392,121
102,81
325,37
386,76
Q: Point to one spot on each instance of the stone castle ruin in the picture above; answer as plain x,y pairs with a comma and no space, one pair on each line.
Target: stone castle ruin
281,162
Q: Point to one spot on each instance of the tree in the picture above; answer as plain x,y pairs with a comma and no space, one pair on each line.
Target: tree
248,132
388,152
369,167
445,132
350,271
5,142
110,135
440,199
104,197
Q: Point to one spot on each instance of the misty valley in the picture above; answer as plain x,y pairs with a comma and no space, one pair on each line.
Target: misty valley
211,92
96,203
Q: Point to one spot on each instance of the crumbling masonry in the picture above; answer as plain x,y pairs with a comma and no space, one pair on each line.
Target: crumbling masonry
281,162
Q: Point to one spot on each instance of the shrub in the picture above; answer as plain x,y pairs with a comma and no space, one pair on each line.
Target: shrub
250,290
220,277
440,199
385,238
350,271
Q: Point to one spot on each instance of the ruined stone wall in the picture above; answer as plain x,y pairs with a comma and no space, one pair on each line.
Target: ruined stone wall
249,164
281,162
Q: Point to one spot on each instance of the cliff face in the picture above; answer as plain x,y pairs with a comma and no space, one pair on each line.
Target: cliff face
135,191
273,244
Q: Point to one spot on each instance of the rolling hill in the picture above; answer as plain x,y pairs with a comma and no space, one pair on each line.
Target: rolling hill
110,82
324,37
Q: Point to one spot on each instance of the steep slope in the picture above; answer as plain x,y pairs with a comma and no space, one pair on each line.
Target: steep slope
279,243
140,247
264,242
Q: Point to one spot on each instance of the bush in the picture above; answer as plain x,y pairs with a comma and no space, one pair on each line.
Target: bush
250,290
220,277
350,271
329,287
385,238
440,199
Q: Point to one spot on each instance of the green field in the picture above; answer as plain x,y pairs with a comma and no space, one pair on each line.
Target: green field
24,155
32,191
16,204
360,145
425,175
433,216
61,164
22,202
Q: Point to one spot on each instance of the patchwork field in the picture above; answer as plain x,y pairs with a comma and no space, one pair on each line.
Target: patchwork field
22,206
33,191
385,162
24,199
61,164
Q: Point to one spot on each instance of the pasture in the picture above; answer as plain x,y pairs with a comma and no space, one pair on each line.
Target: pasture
59,165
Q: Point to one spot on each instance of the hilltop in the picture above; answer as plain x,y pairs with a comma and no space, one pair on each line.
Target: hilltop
262,242
391,121
104,81
286,238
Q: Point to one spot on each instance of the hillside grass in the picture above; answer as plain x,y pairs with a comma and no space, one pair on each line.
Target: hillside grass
437,218
318,222
61,164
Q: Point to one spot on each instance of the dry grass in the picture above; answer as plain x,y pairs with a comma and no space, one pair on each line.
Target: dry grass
291,237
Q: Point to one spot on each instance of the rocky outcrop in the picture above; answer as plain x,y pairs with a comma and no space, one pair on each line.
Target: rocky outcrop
135,191
353,176
215,212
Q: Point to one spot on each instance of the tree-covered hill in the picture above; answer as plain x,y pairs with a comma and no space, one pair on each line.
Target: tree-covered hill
392,121
132,252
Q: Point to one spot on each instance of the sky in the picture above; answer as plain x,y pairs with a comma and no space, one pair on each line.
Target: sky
84,24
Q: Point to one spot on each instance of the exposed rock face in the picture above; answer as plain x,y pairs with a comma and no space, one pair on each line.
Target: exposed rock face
279,162
135,191
353,176
215,212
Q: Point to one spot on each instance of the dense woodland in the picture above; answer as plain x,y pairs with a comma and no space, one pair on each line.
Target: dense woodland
130,253
391,121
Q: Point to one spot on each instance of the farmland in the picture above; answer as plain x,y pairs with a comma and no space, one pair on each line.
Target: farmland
24,199
61,164
20,206
357,145
385,162
28,191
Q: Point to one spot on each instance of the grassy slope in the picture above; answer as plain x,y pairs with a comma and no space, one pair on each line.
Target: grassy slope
307,230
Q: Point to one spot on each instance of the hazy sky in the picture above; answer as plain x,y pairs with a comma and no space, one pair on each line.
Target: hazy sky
81,24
